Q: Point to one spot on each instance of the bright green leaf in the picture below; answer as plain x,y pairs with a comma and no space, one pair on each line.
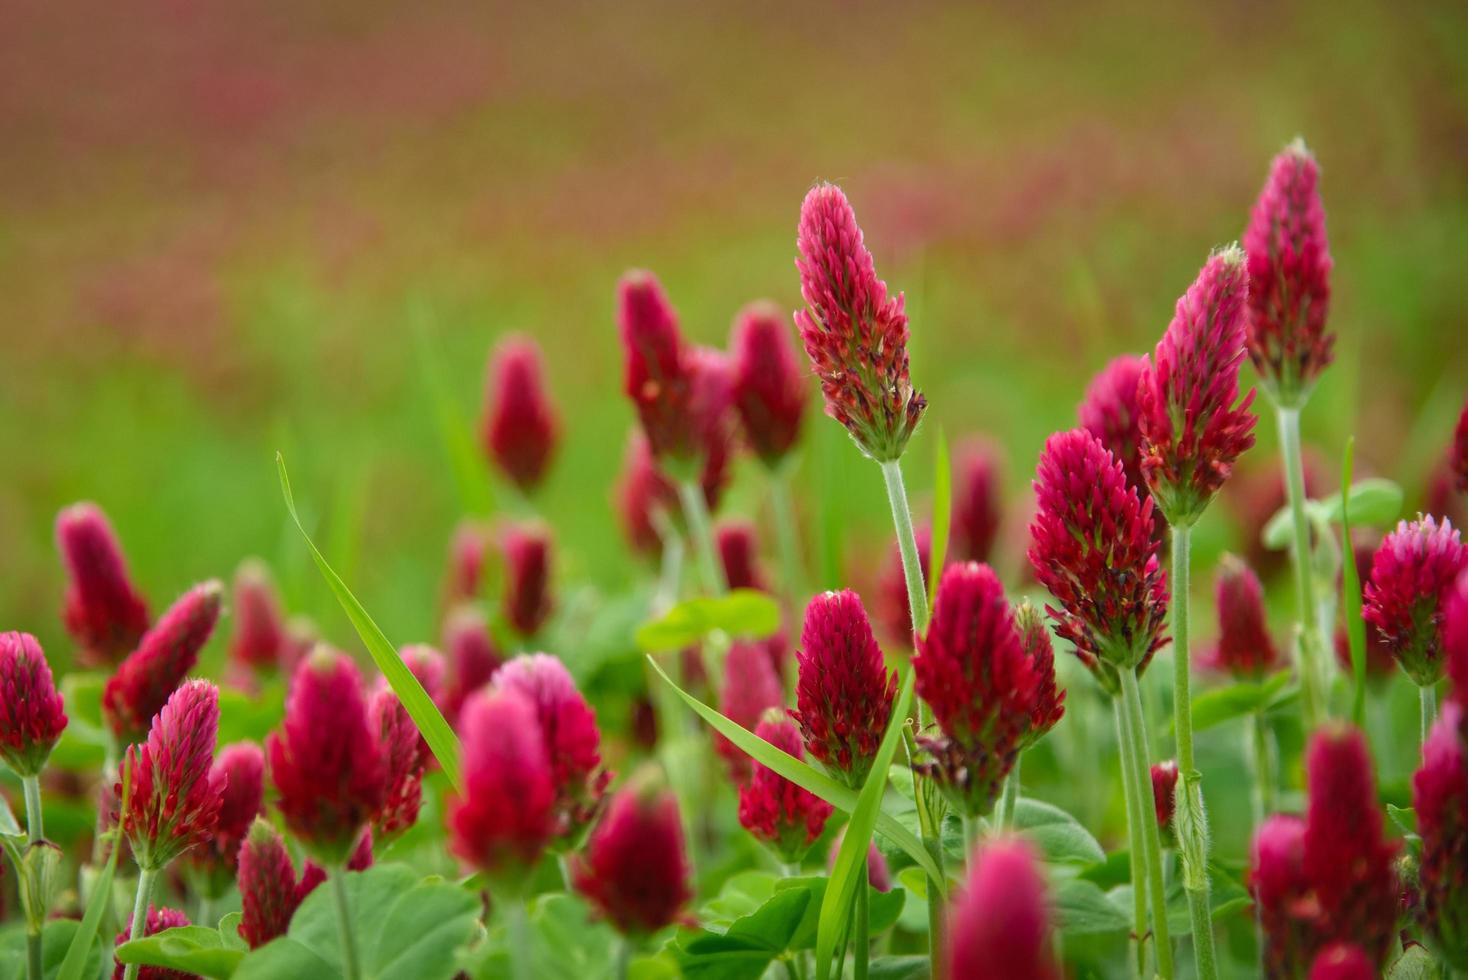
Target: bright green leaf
1082,908
229,932
1415,963
1222,704
899,968
191,949
744,613
1060,836
57,937
1373,502
1404,817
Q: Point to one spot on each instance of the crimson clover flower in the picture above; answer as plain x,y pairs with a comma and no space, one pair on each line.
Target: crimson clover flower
103,611
769,384
779,813
269,894
1245,647
739,554
1440,799
1411,574
473,658
1342,961
32,715
464,576
751,687
520,427
977,503
143,681
259,639
1109,411
405,755
527,600
999,923
644,495
240,770
1164,791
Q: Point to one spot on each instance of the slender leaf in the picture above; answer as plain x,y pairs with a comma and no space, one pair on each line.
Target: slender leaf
851,862
425,714
78,953
1374,502
1351,591
1236,700
745,613
806,777
942,515
476,495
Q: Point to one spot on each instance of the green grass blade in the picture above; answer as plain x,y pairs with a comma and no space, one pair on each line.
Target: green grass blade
1351,593
81,941
850,871
942,515
425,714
476,495
807,777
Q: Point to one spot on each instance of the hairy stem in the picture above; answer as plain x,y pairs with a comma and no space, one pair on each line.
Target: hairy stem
1311,677
1136,846
517,932
1151,836
146,879
351,969
34,820
1427,702
700,530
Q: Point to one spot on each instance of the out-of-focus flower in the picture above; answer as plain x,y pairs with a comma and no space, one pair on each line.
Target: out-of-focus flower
240,770
32,716
973,671
844,693
1091,545
1109,412
325,759
769,384
1455,638
1458,455
259,636
976,501
854,333
1342,961
527,600
1164,791
142,683
879,875
1440,798
659,376
1253,495
175,795
103,611
472,658
739,554
999,924
634,869
568,725
1411,573
894,611
1289,278
1244,648
405,756
1191,430
771,807
643,492
427,665
506,817
158,920
1287,911
520,426
268,892
1440,496
751,687
464,577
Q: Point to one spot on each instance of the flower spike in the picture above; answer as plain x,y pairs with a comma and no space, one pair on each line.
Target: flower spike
999,925
769,384
1411,575
103,611
1245,648
1109,412
143,682
520,425
1440,798
32,716
785,817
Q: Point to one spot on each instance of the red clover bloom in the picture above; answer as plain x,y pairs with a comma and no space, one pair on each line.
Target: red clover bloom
1342,961
999,924
240,770
259,640
32,716
1164,791
164,657
976,502
464,577
776,811
520,425
103,611
769,384
157,921
739,554
1245,648
751,687
1109,412
175,795
527,601
472,658
405,755
1440,798
1411,574
1458,454
269,894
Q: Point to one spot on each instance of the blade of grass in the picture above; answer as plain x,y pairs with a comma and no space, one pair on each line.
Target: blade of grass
86,931
476,495
942,515
425,714
807,777
850,871
1351,589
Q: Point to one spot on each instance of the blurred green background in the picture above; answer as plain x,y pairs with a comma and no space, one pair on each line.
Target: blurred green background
227,228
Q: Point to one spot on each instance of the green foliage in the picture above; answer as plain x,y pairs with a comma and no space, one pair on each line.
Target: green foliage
742,613
1373,502
57,939
1221,704
1059,836
190,949
1351,594
942,515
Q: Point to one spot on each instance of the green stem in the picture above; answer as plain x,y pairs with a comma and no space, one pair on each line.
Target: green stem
970,835
146,878
700,529
670,572
1427,701
1151,836
1011,796
863,948
517,934
1311,679
1136,845
624,957
350,968
34,820
787,539
1258,758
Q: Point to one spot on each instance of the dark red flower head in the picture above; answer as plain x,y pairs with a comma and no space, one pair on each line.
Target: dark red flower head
506,816
1289,278
1455,637
158,920
259,639
1191,430
1245,648
1048,705
103,612
527,598
973,671
472,658
976,501
1411,573
644,495
1091,545
175,795
1458,454
1109,412
1342,961
844,693
240,770
739,554
464,577
854,333
894,611
168,651
520,425
32,716
634,869
405,756
427,666
769,381
1440,798
325,760
1164,791
268,891
776,811
751,687
1288,912
568,725
999,924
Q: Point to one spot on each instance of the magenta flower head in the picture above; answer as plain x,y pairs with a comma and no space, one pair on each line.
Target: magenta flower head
1109,412
1458,454
844,692
854,333
103,612
1455,638
973,671
506,817
634,869
1411,574
240,770
1440,797
769,381
325,759
751,687
1245,648
1047,706
158,920
1091,545
739,554
405,756
520,425
175,795
1289,278
464,578
259,639
567,723
1164,791
472,658
268,891
168,651
777,812
976,501
894,612
1342,961
879,874
32,716
999,924
1191,430
1288,913
427,666
527,600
